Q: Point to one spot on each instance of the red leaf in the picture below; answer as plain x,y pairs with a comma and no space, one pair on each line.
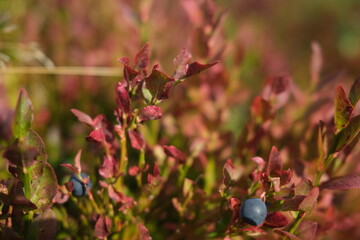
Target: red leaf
195,68
274,163
122,98
102,227
235,208
285,177
307,230
156,172
261,109
343,109
150,113
143,233
96,136
136,140
158,84
181,62
309,203
279,84
133,170
290,235
142,57
82,117
108,168
354,94
345,182
70,166
172,151
124,201
276,220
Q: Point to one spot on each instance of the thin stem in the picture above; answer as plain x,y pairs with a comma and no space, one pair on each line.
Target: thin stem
141,165
123,155
319,174
91,197
297,222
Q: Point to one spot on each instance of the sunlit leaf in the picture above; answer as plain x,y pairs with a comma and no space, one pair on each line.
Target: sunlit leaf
345,136
23,115
354,94
343,109
43,188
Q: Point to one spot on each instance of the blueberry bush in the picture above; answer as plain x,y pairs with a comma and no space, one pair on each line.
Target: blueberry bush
213,141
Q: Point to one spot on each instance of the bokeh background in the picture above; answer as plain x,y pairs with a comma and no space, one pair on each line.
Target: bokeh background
253,40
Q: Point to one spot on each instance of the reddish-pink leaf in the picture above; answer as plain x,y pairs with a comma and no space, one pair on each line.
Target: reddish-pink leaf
307,230
136,140
122,98
279,84
229,173
82,117
235,208
143,233
195,68
108,168
354,94
124,60
102,227
292,204
61,197
96,136
150,113
274,163
261,109
142,57
343,109
156,172
181,63
276,220
70,166
285,177
260,161
133,170
172,151
345,182
309,203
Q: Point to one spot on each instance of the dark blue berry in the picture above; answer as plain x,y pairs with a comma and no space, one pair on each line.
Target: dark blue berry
253,211
79,186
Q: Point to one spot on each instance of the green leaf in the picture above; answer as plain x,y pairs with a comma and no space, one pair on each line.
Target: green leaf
354,94
23,115
43,188
33,140
343,109
344,137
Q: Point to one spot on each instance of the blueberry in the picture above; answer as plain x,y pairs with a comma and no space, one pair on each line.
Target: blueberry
253,211
79,186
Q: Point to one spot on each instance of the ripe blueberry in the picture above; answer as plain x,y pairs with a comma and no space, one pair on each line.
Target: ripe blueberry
253,211
79,186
